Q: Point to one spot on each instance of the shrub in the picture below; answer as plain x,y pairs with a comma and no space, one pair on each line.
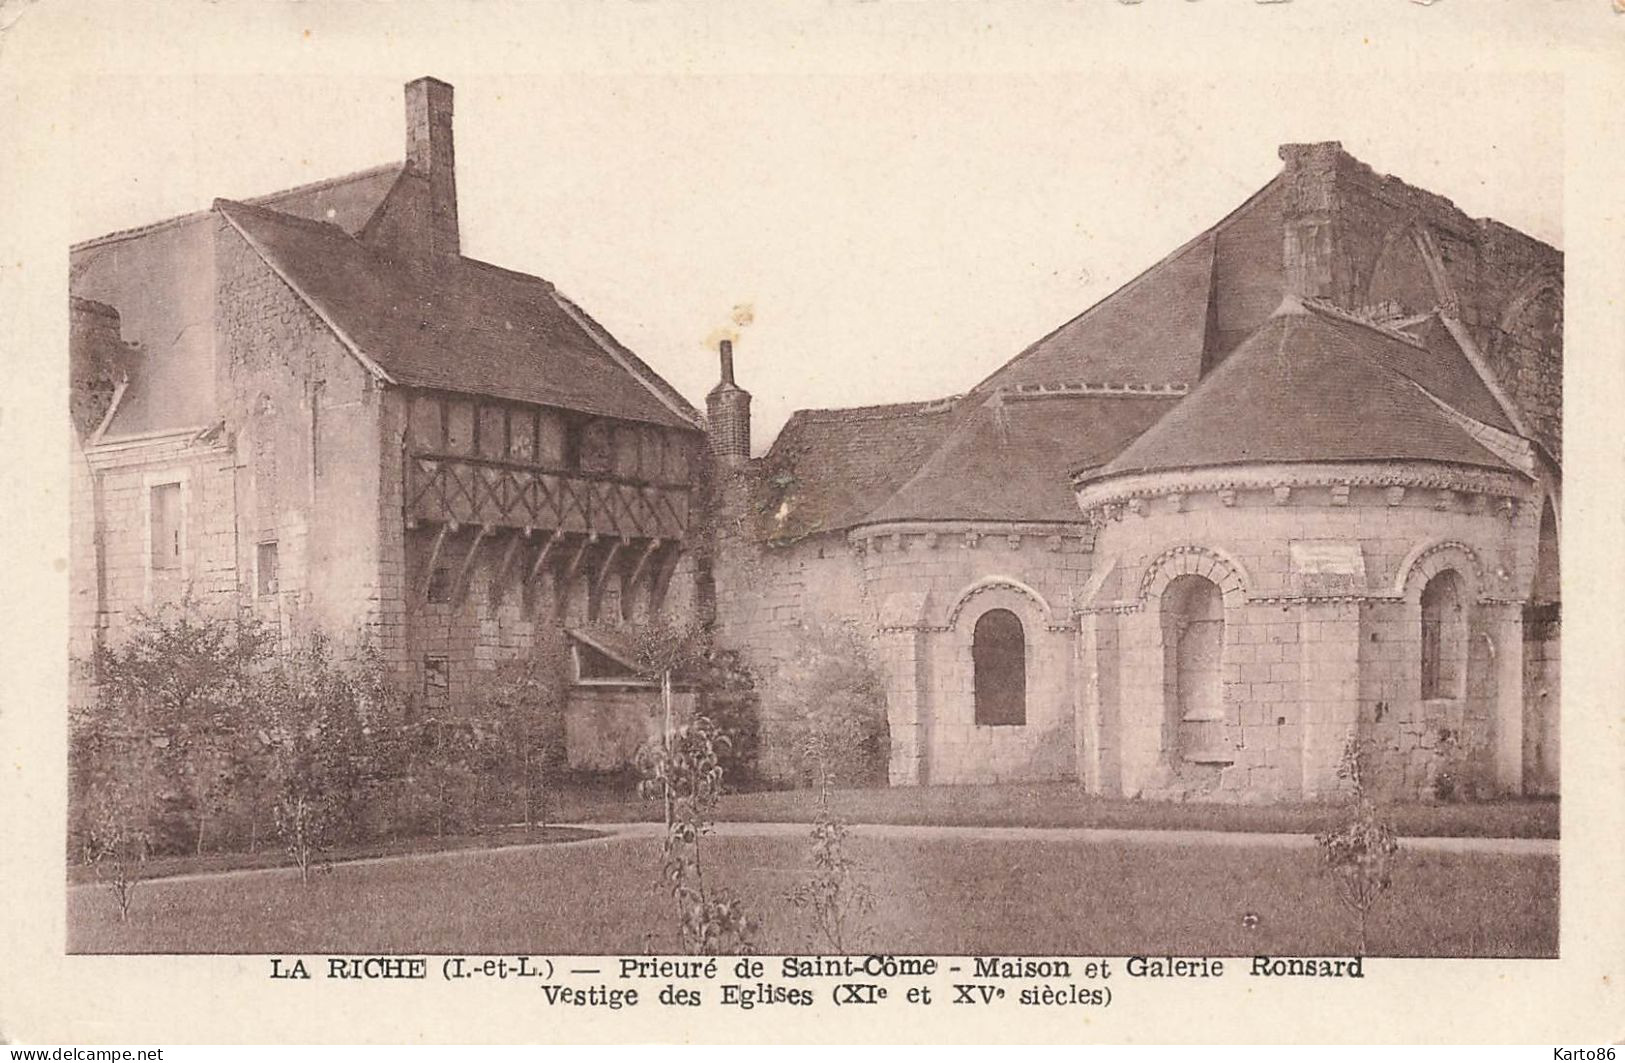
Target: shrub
115,846
316,716
519,706
166,723
838,732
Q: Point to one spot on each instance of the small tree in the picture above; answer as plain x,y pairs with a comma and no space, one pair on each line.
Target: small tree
114,846
685,772
314,714
837,695
841,737
521,706
1360,852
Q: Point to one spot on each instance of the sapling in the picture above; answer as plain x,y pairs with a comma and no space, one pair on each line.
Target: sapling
1361,851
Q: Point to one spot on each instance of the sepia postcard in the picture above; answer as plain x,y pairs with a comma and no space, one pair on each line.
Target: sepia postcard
846,521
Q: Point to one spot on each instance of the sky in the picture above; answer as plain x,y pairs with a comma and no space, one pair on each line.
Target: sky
888,236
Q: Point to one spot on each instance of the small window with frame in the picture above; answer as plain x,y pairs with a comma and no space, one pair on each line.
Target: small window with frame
265,569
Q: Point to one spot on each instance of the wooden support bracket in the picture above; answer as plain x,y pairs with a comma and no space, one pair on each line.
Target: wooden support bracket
501,574
600,577
460,588
434,559
541,556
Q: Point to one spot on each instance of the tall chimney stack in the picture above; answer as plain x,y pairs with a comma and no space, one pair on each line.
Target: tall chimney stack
430,155
727,410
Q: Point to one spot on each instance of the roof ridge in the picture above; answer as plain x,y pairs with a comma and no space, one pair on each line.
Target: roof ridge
1327,309
841,413
257,201
325,227
623,356
1108,389
1137,279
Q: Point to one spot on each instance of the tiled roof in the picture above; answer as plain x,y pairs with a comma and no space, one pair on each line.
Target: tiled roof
1009,458
347,201
459,325
1310,385
1153,330
828,468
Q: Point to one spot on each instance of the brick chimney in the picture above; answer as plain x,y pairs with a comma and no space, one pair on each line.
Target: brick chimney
727,410
429,154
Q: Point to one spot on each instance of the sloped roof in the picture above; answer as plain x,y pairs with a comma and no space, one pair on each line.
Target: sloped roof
1308,385
1153,330
459,325
347,201
828,468
160,276
1009,458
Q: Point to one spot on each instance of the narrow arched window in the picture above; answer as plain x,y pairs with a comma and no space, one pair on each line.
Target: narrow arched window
999,655
1444,637
1193,636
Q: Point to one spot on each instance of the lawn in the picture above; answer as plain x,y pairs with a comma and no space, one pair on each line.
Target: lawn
1064,805
937,896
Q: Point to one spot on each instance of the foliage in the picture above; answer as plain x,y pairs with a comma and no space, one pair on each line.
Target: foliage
179,684
836,899
685,771
1360,852
838,694
314,714
519,708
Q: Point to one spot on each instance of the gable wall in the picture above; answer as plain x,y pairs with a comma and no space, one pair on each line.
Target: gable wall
306,419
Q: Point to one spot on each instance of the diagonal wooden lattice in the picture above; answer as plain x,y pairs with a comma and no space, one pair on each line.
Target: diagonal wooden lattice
502,494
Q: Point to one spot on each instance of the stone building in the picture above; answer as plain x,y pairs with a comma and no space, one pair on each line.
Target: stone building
1297,483
314,407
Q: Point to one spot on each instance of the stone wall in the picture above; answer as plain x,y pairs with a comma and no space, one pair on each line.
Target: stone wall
1322,638
1359,239
113,578
606,726
932,586
305,416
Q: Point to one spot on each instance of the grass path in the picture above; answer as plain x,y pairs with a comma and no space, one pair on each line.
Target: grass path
937,890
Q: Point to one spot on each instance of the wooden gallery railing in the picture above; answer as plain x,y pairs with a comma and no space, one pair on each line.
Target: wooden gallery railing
578,526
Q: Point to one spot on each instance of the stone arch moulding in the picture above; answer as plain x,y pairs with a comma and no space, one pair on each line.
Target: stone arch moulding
1528,290
1411,237
1429,559
1214,565
1007,583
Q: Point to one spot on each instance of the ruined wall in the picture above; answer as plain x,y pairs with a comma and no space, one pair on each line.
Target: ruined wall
1542,664
1359,239
162,283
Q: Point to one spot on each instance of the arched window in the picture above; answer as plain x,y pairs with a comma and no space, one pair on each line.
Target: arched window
1193,619
999,654
1444,637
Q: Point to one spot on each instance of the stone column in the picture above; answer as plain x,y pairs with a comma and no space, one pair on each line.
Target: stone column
1506,620
1142,710
1086,704
908,709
